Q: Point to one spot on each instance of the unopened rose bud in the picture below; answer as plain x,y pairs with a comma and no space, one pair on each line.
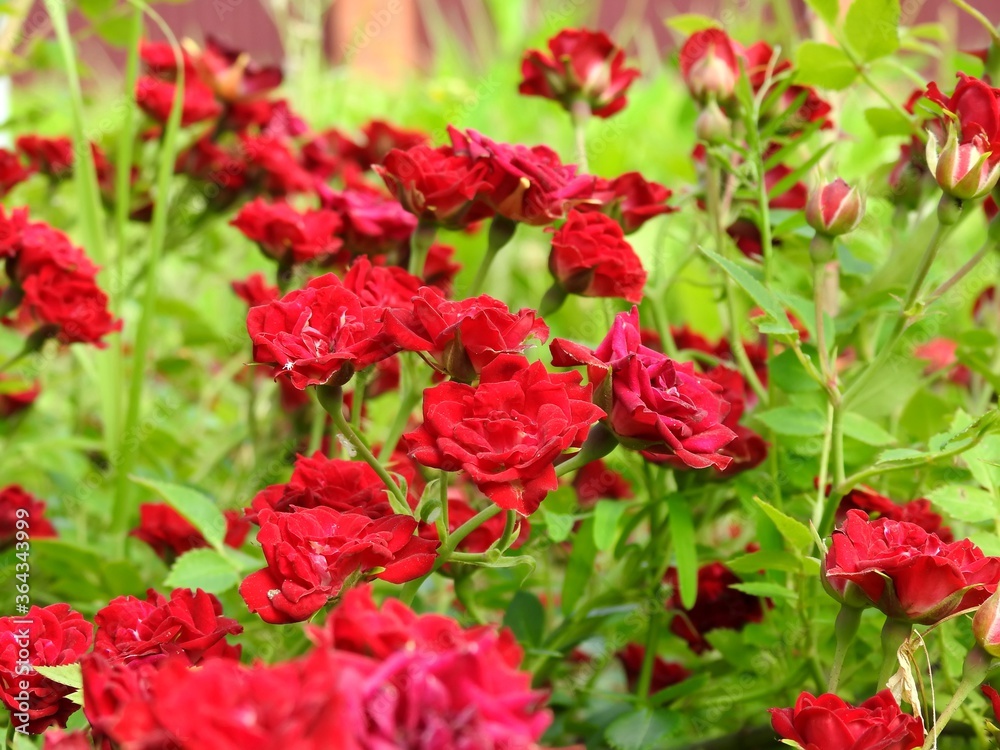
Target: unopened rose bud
835,208
709,65
964,171
712,125
986,625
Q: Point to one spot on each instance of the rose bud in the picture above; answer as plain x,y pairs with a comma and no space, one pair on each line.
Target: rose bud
712,125
835,208
709,64
964,171
986,625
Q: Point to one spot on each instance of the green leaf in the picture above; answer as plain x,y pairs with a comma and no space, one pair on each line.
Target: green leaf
203,569
195,506
686,551
828,10
796,533
765,590
642,729
872,28
607,515
825,66
64,674
558,525
778,320
789,375
884,121
689,23
794,420
525,617
580,567
765,560
866,431
964,503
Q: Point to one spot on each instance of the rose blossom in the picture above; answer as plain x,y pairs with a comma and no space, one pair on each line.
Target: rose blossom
230,73
462,337
595,481
653,403
709,64
583,66
15,502
15,401
57,635
507,432
826,722
318,335
170,534
906,572
665,673
590,257
12,171
718,606
373,222
287,235
311,553
916,511
52,157
156,98
189,623
629,199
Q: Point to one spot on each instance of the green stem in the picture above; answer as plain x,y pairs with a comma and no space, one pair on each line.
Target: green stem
848,620
420,244
961,273
824,470
981,19
580,113
332,401
501,232
316,429
408,401
926,261
649,656
977,666
894,634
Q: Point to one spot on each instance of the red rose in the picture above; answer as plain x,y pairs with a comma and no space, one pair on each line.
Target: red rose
275,118
170,534
440,268
994,698
709,64
384,287
287,235
793,198
156,98
318,481
812,108
231,73
595,481
904,571
56,635
311,553
70,304
629,199
53,157
318,335
188,623
976,106
15,397
373,223
56,739
584,66
590,257
826,722
916,511
116,699
272,166
18,505
205,161
12,172
529,185
653,403
255,290
718,606
748,450
381,137
941,354
437,185
160,59
665,673
326,153
507,432
462,337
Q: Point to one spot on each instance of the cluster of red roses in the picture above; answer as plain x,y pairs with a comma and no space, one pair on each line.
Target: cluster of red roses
53,291
374,678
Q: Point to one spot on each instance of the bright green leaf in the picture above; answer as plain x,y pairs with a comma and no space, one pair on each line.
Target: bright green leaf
65,674
607,515
866,431
765,560
884,121
766,590
794,420
203,569
682,535
525,616
964,503
796,533
872,28
196,507
580,568
828,10
642,729
825,66
778,323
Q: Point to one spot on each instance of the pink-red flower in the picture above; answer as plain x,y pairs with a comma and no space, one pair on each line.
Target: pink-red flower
584,66
596,481
917,511
462,337
827,722
311,553
653,403
906,572
630,199
665,673
156,98
590,257
12,171
16,504
507,432
318,335
189,623
52,157
287,235
710,65
52,636
230,73
373,222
